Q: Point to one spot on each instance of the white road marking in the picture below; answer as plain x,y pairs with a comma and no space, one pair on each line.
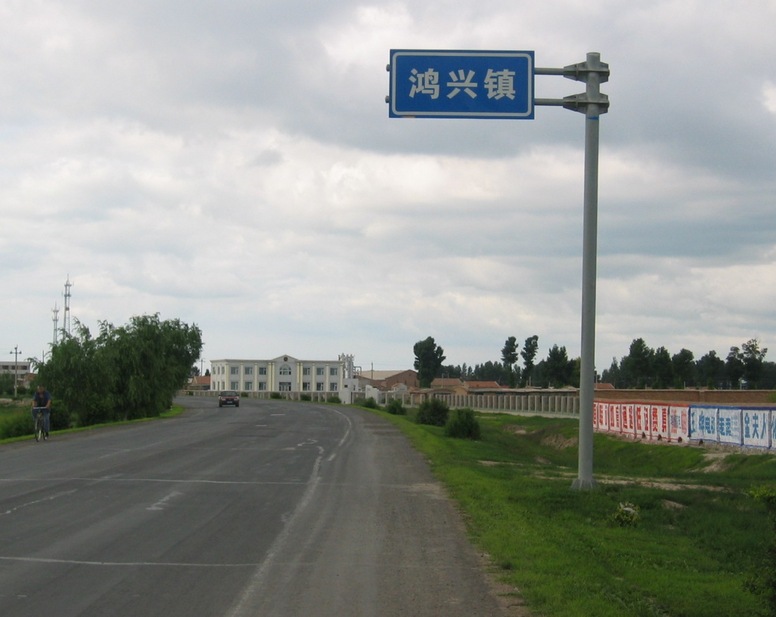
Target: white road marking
37,501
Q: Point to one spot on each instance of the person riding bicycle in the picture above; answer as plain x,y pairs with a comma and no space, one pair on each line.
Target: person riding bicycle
42,399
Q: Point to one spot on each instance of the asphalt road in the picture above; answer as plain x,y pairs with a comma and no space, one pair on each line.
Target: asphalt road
271,509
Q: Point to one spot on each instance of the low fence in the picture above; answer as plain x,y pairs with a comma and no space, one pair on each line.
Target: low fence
541,402
748,427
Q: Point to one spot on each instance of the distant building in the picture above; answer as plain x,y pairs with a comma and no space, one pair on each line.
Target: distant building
19,370
457,386
388,380
199,382
285,374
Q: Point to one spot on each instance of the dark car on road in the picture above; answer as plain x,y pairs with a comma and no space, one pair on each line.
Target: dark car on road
228,397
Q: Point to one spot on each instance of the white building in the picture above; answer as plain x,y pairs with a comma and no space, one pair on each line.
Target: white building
285,374
17,370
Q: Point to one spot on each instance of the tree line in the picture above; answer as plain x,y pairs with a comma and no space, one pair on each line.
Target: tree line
643,367
123,373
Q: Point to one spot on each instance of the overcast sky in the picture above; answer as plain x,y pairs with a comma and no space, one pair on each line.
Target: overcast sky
232,164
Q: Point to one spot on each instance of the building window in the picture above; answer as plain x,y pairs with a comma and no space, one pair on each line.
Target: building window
285,370
332,387
262,385
248,370
249,385
307,371
262,370
333,371
235,385
319,387
235,370
306,386
319,371
285,386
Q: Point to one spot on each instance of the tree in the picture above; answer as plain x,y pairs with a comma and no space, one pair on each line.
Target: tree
558,368
6,383
768,378
711,370
124,373
734,367
491,371
684,369
428,360
752,357
464,370
662,368
576,372
157,357
450,371
612,374
530,347
636,367
509,357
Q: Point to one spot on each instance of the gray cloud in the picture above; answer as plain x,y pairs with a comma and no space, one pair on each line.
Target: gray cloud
233,164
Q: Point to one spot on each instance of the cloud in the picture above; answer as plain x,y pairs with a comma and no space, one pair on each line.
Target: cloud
232,164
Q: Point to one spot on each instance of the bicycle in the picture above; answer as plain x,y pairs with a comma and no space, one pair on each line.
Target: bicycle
39,423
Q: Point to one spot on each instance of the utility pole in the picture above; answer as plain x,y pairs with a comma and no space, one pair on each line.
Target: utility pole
15,353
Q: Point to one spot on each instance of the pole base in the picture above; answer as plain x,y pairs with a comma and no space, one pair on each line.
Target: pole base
584,484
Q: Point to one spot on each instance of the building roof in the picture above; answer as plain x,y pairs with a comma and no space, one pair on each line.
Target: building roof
282,358
446,382
380,375
479,385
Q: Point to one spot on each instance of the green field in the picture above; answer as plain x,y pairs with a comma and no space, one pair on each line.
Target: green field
695,541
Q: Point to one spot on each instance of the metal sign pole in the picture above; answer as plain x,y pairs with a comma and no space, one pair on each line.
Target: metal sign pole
424,69
592,103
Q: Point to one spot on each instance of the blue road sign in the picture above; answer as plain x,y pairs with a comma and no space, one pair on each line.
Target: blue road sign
461,84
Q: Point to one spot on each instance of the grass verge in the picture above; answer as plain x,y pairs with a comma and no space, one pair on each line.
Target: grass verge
16,422
695,541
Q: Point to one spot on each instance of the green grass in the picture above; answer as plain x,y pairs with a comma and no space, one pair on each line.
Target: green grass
698,537
16,422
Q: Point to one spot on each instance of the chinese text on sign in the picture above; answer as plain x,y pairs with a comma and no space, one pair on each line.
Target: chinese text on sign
462,84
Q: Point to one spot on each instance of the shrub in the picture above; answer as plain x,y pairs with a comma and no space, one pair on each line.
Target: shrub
60,417
275,395
396,408
463,425
305,397
333,399
626,515
433,412
371,403
15,424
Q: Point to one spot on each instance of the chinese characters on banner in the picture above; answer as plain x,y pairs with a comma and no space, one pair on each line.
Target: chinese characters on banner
461,84
753,427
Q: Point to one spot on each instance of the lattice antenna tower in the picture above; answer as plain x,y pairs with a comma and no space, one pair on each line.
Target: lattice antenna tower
66,324
55,319
347,359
